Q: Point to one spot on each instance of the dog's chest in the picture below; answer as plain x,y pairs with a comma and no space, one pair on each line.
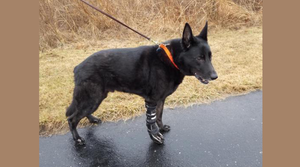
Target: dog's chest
171,88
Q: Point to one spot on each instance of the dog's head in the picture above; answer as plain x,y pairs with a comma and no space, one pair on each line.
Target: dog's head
195,59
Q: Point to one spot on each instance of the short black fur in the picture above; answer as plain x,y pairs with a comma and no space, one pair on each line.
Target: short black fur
144,71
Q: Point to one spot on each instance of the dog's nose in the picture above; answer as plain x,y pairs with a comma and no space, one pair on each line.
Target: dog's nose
213,76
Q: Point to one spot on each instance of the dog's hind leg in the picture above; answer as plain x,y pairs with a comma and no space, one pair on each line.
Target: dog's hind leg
159,113
93,119
87,98
90,117
73,122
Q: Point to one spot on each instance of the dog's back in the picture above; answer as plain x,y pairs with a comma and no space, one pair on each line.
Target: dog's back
125,69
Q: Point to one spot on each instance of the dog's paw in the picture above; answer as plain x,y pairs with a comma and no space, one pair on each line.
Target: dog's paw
165,128
80,142
157,138
95,120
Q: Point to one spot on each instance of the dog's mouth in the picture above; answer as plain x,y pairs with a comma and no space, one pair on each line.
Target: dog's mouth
204,81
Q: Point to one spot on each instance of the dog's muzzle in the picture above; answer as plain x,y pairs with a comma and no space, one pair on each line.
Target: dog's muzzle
204,81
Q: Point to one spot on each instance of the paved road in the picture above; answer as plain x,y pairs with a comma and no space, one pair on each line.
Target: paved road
223,133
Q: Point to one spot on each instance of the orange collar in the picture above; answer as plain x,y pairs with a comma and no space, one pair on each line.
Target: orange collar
168,54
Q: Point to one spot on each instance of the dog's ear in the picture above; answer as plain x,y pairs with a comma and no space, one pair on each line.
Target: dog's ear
203,33
187,36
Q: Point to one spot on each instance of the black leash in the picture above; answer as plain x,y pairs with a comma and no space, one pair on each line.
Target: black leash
160,46
120,22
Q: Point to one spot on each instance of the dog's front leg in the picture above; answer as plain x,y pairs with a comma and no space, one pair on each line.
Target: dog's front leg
159,113
153,129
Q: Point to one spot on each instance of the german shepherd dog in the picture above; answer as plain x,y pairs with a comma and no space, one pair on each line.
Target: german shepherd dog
145,71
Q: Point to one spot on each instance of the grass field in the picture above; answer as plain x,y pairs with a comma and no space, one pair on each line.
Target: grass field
237,58
68,21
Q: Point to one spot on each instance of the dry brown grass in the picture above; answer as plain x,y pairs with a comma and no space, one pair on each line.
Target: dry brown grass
237,57
71,31
68,21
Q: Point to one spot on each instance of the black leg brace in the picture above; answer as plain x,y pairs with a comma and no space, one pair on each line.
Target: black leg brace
153,129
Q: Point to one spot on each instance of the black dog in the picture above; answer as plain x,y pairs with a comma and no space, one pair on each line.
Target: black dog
144,71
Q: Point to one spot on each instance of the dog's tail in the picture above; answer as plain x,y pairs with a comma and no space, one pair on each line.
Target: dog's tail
71,110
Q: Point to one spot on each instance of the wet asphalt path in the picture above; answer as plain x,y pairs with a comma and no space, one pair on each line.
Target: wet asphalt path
223,133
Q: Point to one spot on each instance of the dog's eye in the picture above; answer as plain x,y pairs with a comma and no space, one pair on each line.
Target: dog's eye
200,57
